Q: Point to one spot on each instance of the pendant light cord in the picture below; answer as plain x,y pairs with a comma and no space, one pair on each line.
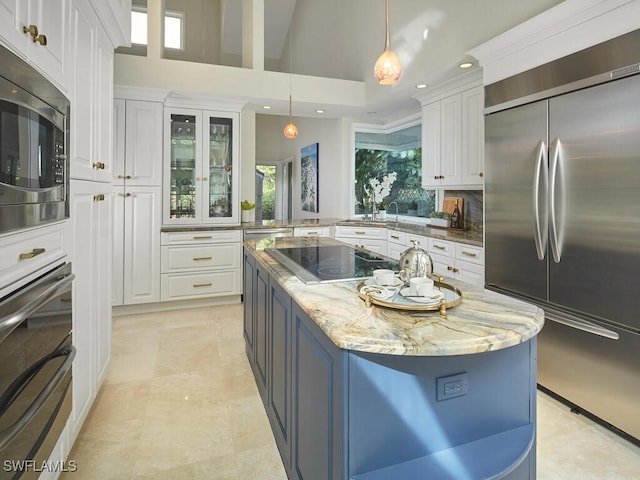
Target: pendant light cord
386,17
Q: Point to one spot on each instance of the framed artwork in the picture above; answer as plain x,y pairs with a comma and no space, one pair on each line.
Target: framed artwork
309,178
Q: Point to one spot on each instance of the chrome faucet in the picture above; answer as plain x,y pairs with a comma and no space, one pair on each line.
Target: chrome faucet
389,206
373,205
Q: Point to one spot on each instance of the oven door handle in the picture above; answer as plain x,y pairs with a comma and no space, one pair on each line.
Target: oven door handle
29,301
8,434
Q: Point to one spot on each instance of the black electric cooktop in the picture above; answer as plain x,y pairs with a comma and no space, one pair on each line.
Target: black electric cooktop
330,263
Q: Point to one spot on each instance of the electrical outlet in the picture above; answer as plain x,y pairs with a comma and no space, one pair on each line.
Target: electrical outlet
451,386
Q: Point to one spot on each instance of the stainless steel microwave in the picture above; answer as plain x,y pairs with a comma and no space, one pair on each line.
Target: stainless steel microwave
34,132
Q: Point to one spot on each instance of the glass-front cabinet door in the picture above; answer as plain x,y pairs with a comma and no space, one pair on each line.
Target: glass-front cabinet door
201,181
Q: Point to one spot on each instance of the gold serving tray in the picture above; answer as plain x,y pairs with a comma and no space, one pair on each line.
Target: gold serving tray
452,298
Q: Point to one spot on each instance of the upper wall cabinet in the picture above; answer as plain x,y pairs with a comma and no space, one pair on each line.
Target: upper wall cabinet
453,136
201,167
35,30
137,142
91,97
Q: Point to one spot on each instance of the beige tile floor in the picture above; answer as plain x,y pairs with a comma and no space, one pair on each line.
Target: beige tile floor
180,402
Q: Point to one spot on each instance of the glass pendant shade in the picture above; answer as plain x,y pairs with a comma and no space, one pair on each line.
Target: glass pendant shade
387,69
290,130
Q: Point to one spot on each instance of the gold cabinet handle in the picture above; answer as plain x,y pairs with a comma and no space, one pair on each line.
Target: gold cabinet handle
202,237
127,177
33,253
455,270
360,233
312,233
198,259
198,285
98,165
99,197
204,179
120,194
449,268
395,237
469,254
481,174
439,247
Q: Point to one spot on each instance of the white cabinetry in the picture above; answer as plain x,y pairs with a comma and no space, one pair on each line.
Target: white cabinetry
396,243
90,210
202,172
91,97
136,258
473,135
312,232
36,30
453,135
201,264
137,213
26,252
138,142
374,239
457,260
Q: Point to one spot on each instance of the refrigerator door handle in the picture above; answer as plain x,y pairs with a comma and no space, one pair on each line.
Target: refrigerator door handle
556,201
580,324
540,205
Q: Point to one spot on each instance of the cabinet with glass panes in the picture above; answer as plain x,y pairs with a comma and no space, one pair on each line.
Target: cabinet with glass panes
201,167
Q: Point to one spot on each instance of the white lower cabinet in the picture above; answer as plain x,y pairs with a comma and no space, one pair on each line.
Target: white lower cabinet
457,260
396,243
136,240
91,214
374,239
312,232
201,264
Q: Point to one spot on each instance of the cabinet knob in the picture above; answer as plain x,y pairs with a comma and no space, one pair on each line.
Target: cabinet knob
99,197
98,165
455,270
449,268
33,31
126,177
481,174
204,179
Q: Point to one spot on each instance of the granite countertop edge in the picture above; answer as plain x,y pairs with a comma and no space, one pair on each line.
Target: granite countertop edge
484,321
470,237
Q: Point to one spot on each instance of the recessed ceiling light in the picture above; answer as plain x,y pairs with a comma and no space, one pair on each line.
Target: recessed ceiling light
319,110
466,65
267,107
421,85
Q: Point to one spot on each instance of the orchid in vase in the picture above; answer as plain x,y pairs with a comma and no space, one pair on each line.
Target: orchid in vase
379,191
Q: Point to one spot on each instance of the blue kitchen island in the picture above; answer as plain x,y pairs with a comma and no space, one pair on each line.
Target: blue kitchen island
369,393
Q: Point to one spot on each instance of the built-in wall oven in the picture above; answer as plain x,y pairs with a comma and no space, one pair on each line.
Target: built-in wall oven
36,355
34,126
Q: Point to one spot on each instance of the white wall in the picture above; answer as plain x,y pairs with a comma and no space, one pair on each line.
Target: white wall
333,137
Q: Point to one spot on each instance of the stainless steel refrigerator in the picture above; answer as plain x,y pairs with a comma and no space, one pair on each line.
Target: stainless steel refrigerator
562,227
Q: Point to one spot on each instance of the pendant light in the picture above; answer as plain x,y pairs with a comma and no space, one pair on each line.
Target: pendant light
290,130
387,69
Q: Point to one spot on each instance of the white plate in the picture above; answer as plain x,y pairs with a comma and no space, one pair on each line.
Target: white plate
410,294
372,281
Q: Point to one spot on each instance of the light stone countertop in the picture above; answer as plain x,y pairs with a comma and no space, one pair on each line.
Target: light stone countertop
484,321
470,237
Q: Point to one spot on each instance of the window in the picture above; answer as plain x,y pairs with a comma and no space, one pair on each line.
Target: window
173,31
265,192
377,154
